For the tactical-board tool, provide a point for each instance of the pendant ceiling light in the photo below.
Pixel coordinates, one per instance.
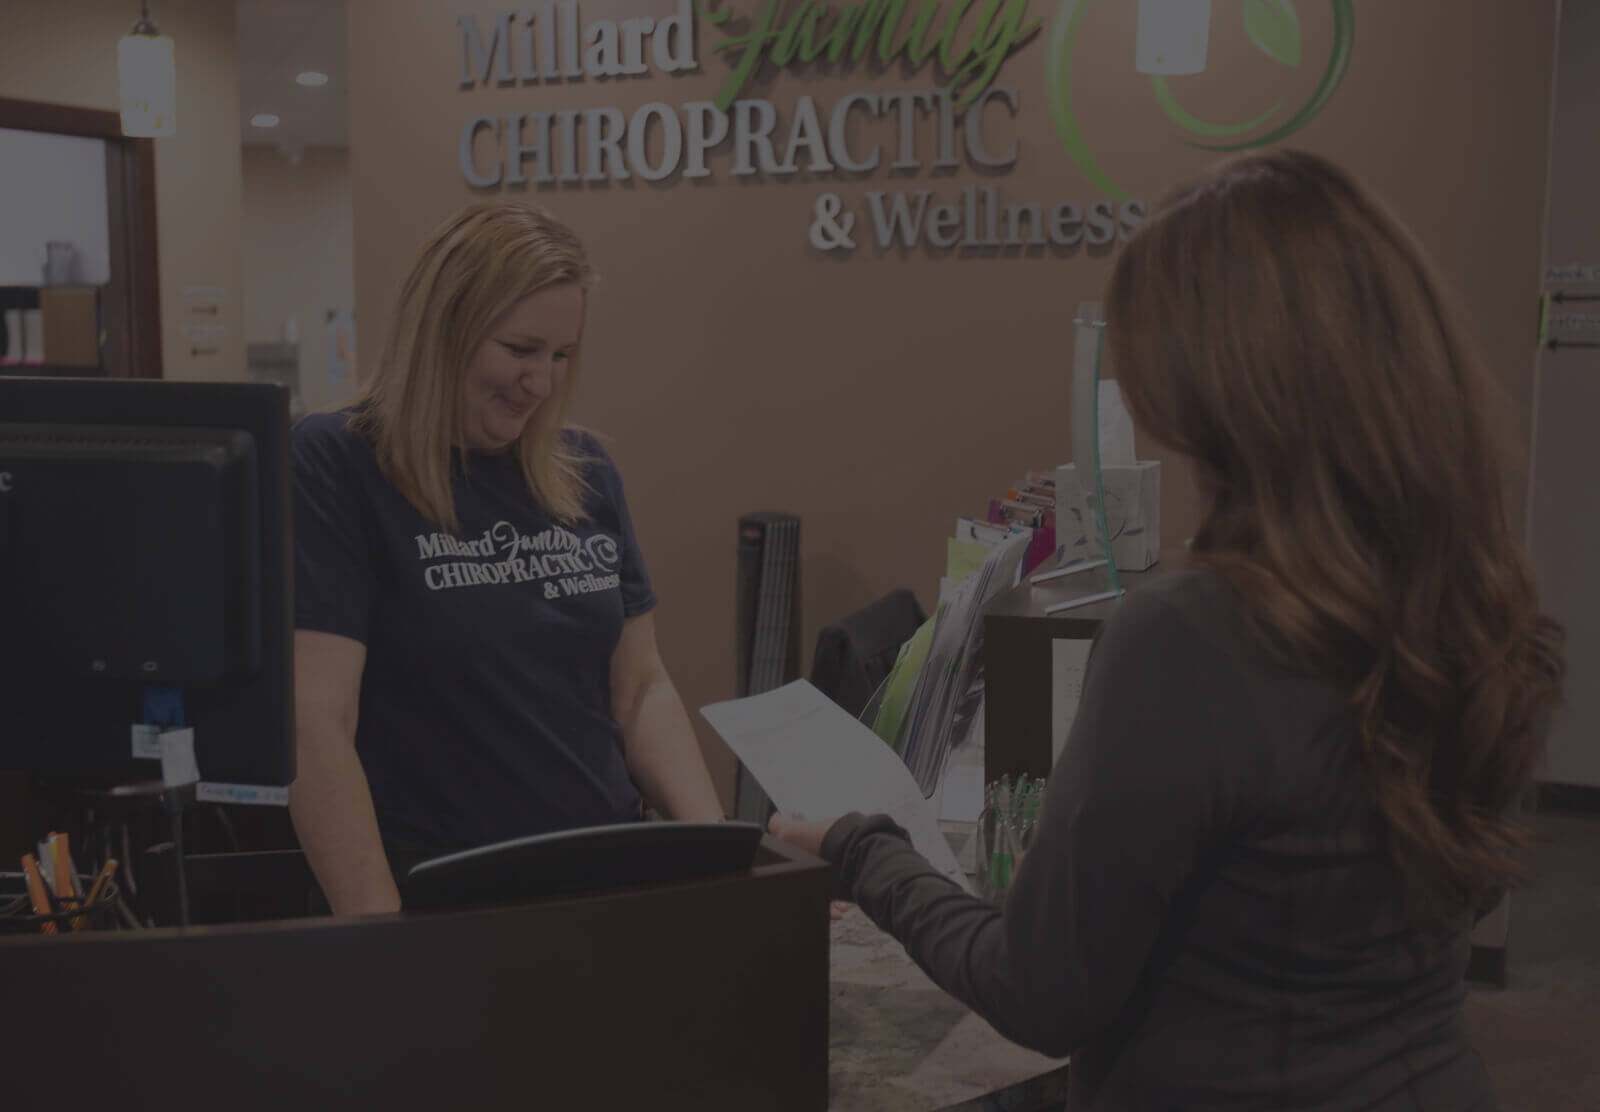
(148, 77)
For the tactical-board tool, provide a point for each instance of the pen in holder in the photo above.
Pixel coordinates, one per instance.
(96, 912)
(1006, 827)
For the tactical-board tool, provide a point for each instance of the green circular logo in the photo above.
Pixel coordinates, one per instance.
(1272, 25)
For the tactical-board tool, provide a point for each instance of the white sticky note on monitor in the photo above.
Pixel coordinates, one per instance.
(146, 742)
(813, 759)
(177, 757)
(1069, 661)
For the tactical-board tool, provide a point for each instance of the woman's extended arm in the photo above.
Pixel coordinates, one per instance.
(330, 802)
(659, 743)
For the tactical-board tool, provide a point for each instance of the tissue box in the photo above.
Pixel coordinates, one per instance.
(1133, 512)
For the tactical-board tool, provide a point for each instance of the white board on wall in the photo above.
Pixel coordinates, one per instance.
(55, 189)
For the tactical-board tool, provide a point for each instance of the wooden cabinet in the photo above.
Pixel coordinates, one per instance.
(1018, 662)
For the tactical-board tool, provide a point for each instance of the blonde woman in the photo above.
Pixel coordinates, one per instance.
(1291, 782)
(475, 658)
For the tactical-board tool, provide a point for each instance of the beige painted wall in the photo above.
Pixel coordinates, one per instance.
(1564, 529)
(883, 395)
(66, 53)
(295, 240)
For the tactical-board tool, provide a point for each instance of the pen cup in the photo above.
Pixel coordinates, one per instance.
(1007, 826)
(18, 917)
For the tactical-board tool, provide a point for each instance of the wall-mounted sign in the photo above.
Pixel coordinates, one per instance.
(203, 333)
(959, 122)
(1570, 329)
(1173, 40)
(1572, 273)
(203, 300)
(1566, 319)
(1576, 322)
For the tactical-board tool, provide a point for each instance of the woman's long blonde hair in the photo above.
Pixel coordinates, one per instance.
(1275, 325)
(474, 267)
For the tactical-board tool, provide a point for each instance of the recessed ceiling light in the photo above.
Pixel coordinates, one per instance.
(264, 119)
(311, 78)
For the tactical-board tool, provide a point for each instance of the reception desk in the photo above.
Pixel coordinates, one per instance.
(706, 995)
(734, 993)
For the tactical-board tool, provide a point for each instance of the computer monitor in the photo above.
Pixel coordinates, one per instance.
(145, 571)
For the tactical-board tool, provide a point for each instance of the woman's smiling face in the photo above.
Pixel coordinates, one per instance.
(520, 362)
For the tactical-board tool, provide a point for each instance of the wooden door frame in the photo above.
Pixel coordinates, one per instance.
(132, 305)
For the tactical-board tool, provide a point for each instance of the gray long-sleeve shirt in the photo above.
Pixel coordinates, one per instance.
(1208, 917)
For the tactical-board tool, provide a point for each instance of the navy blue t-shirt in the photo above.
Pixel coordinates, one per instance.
(486, 699)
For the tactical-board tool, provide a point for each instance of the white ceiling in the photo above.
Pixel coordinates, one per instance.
(277, 40)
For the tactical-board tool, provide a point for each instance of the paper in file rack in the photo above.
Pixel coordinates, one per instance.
(949, 688)
(813, 759)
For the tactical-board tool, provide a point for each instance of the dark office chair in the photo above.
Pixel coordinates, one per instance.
(855, 654)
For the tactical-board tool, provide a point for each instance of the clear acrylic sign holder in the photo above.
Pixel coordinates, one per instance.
(1097, 569)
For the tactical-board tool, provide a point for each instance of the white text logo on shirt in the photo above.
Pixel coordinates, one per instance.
(557, 558)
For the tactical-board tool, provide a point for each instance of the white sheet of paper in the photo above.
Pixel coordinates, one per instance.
(813, 759)
(146, 741)
(1069, 659)
(177, 757)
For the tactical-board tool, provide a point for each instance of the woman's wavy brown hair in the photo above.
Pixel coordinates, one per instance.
(1278, 327)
